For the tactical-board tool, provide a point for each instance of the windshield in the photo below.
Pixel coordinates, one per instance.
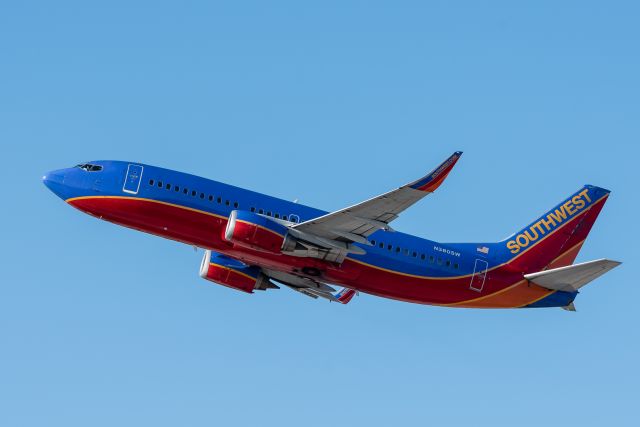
(89, 167)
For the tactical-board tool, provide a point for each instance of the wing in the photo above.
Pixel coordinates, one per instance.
(356, 223)
(572, 277)
(310, 287)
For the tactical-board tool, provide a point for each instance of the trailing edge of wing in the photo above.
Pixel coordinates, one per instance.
(573, 277)
(355, 223)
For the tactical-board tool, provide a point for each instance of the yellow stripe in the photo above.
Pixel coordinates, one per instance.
(483, 297)
(262, 227)
(537, 299)
(232, 270)
(492, 268)
(370, 265)
(73, 199)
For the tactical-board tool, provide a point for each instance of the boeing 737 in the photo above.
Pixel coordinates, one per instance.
(256, 242)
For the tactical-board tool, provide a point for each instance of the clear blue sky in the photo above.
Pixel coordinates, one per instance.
(328, 102)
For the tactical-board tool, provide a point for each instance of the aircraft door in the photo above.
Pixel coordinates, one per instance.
(132, 179)
(479, 275)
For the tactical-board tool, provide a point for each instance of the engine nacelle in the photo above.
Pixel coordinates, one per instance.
(232, 273)
(255, 231)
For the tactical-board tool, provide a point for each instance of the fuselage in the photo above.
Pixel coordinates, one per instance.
(194, 210)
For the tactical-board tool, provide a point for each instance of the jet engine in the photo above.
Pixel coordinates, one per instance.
(255, 231)
(232, 273)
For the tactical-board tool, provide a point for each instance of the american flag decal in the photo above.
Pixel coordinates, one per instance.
(483, 250)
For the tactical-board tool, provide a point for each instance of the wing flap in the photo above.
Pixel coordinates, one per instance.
(573, 277)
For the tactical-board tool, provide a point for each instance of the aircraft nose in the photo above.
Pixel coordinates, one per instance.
(54, 181)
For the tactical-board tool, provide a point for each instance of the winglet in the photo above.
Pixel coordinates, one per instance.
(345, 295)
(436, 177)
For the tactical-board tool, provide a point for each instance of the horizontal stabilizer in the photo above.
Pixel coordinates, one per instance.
(573, 277)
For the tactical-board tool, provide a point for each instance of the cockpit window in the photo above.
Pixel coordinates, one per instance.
(89, 167)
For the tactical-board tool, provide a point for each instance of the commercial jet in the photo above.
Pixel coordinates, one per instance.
(256, 242)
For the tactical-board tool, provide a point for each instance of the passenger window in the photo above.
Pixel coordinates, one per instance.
(389, 247)
(277, 216)
(168, 186)
(151, 182)
(415, 254)
(193, 193)
(253, 209)
(159, 184)
(431, 259)
(210, 198)
(422, 257)
(226, 202)
(381, 245)
(202, 195)
(176, 188)
(448, 263)
(397, 249)
(235, 205)
(269, 213)
(439, 261)
(373, 242)
(185, 191)
(219, 200)
(406, 252)
(456, 266)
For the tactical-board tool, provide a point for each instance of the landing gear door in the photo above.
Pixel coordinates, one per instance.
(132, 179)
(479, 275)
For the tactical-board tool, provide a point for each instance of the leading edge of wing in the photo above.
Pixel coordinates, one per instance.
(436, 177)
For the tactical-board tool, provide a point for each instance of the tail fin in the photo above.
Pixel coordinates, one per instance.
(554, 239)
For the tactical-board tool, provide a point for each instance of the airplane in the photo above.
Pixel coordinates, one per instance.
(253, 241)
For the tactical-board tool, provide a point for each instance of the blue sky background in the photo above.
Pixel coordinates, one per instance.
(329, 102)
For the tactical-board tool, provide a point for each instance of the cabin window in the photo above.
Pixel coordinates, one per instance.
(235, 205)
(397, 249)
(381, 245)
(373, 242)
(210, 198)
(415, 254)
(277, 216)
(406, 252)
(253, 209)
(219, 200)
(456, 266)
(389, 247)
(448, 263)
(159, 184)
(260, 211)
(176, 188)
(439, 261)
(226, 202)
(193, 193)
(431, 259)
(202, 195)
(185, 191)
(167, 187)
(151, 182)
